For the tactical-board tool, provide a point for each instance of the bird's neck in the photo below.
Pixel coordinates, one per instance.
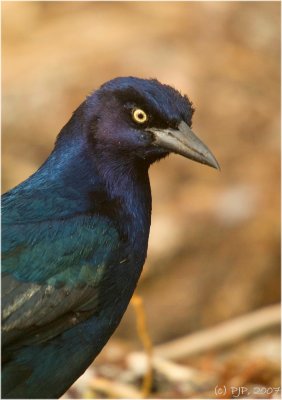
(75, 168)
(126, 180)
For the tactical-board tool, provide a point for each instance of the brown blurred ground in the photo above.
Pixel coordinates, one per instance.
(214, 247)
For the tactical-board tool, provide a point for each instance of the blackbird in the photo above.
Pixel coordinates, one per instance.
(75, 233)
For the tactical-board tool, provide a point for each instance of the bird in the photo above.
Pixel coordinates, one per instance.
(75, 233)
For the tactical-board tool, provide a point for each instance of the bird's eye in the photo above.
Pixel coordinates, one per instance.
(139, 116)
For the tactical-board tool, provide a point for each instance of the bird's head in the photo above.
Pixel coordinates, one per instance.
(144, 119)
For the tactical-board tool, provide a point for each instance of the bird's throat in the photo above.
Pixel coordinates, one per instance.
(127, 182)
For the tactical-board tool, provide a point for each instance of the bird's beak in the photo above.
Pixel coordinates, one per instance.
(183, 141)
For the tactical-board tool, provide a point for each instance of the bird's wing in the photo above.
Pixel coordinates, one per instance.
(51, 274)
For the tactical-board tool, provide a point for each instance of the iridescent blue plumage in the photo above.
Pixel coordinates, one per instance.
(75, 233)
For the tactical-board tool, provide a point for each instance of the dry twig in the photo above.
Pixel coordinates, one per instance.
(224, 334)
(144, 336)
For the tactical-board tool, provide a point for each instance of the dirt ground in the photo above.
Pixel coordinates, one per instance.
(214, 251)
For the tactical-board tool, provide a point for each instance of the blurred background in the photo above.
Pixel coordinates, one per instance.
(214, 251)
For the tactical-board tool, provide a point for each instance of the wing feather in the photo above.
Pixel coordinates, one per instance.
(51, 274)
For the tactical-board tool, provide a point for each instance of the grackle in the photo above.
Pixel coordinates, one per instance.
(75, 233)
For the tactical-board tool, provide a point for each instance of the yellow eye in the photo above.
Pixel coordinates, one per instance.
(139, 116)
